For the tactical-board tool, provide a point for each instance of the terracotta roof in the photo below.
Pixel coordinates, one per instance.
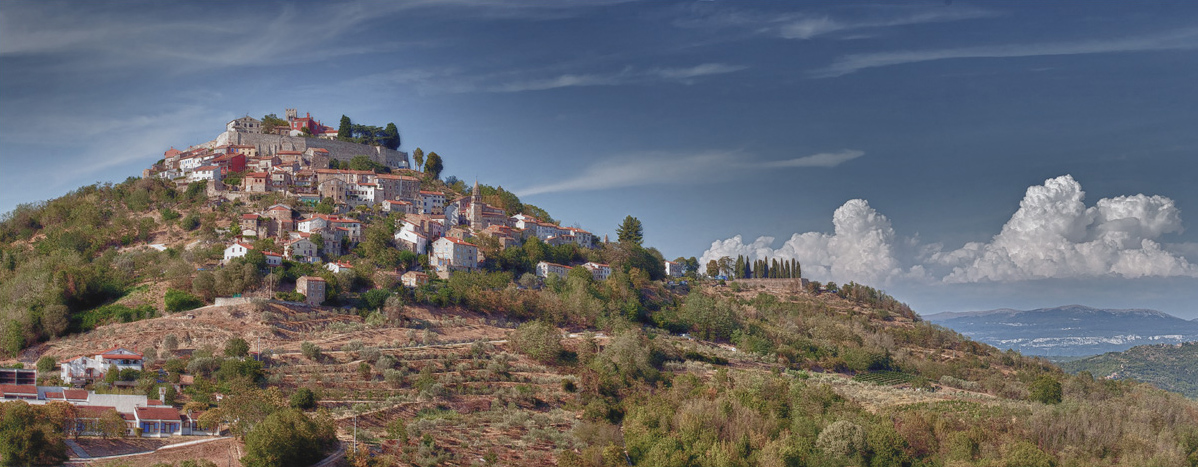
(249, 216)
(289, 152)
(320, 150)
(243, 245)
(76, 394)
(207, 167)
(555, 264)
(457, 241)
(54, 395)
(157, 413)
(153, 402)
(25, 389)
(256, 175)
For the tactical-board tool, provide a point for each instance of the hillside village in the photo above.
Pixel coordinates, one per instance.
(440, 224)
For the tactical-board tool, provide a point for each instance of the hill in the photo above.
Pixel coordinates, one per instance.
(1073, 330)
(1172, 367)
(493, 365)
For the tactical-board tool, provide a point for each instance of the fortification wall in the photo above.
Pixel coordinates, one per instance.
(340, 150)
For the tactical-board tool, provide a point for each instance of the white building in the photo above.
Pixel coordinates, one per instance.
(86, 368)
(337, 266)
(273, 259)
(544, 269)
(675, 269)
(599, 271)
(453, 254)
(301, 249)
(412, 241)
(237, 250)
(432, 202)
(207, 172)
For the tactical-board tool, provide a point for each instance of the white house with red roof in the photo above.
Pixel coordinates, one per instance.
(674, 269)
(158, 422)
(273, 259)
(237, 250)
(546, 269)
(82, 369)
(337, 266)
(450, 254)
(432, 202)
(599, 271)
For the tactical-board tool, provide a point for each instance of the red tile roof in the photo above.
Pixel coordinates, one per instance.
(24, 389)
(76, 394)
(120, 355)
(157, 413)
(457, 241)
(54, 395)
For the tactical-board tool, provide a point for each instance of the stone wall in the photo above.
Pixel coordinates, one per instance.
(340, 150)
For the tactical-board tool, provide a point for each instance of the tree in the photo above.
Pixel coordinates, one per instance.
(27, 436)
(630, 231)
(45, 365)
(287, 437)
(112, 425)
(418, 156)
(178, 300)
(237, 347)
(391, 140)
(310, 350)
(539, 340)
(345, 130)
(303, 399)
(713, 268)
(1045, 389)
(433, 165)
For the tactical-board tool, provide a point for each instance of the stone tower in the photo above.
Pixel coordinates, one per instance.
(292, 114)
(476, 208)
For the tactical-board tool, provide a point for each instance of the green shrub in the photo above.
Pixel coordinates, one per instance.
(539, 340)
(178, 300)
(303, 399)
(1045, 389)
(290, 296)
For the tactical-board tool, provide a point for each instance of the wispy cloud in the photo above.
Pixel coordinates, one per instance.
(808, 25)
(671, 168)
(455, 80)
(1172, 40)
(826, 159)
(184, 38)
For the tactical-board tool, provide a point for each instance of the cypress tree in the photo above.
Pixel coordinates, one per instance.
(345, 131)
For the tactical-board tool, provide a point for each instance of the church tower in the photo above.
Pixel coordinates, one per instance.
(476, 208)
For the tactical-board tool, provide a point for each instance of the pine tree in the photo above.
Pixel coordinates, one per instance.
(631, 231)
(740, 267)
(774, 268)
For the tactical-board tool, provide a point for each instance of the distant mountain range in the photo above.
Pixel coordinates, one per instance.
(1072, 330)
(1172, 367)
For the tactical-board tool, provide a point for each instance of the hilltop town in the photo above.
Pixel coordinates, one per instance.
(294, 161)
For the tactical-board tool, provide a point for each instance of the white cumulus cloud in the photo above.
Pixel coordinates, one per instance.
(1054, 235)
(862, 248)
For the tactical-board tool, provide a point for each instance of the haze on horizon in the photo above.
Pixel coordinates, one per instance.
(962, 156)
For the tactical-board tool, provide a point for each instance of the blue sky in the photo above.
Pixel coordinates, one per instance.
(999, 148)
